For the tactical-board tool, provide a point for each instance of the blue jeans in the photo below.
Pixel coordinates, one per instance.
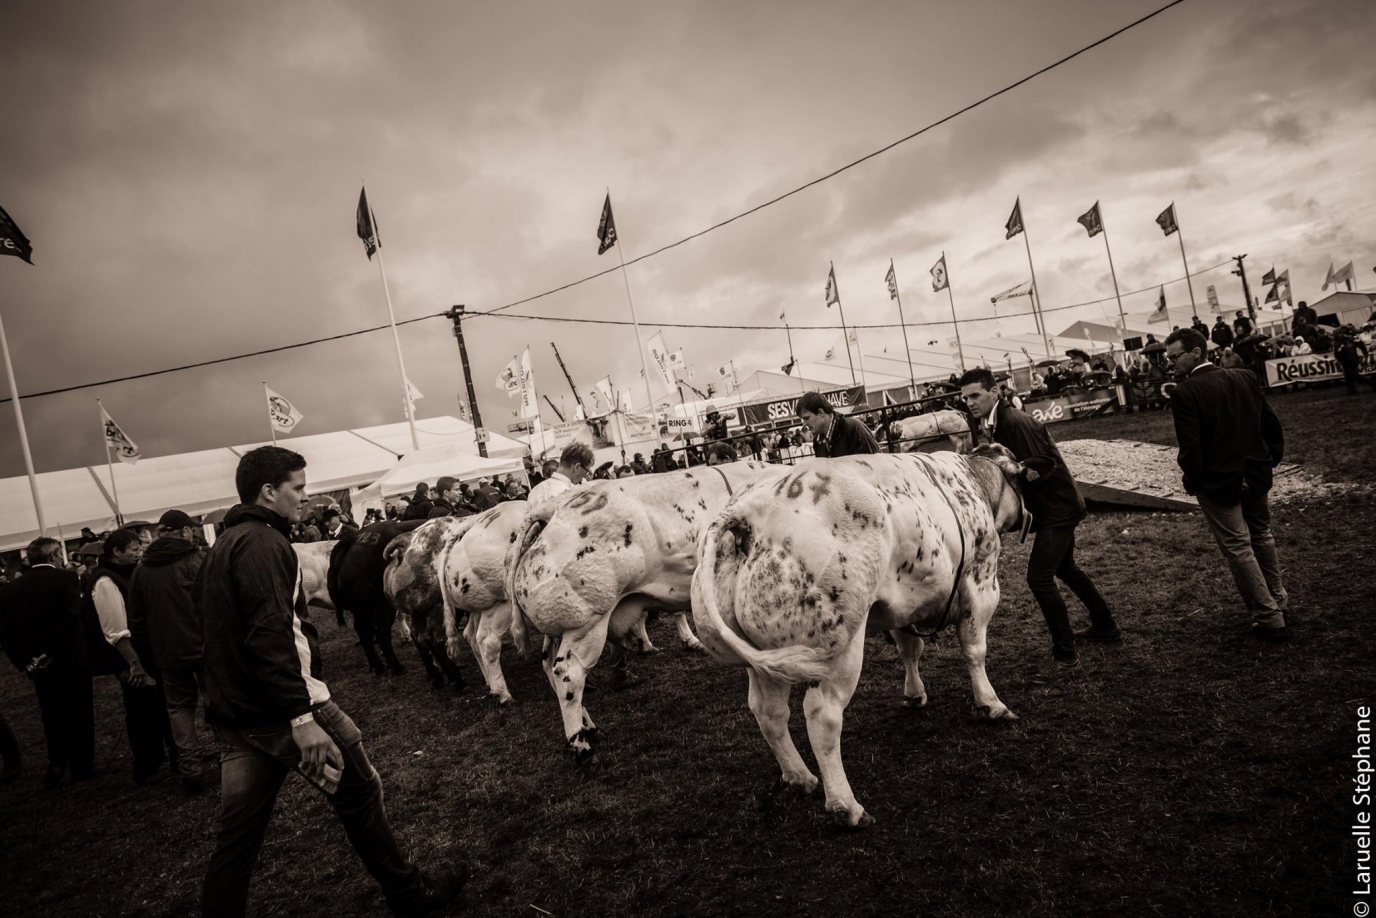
(253, 765)
(1243, 533)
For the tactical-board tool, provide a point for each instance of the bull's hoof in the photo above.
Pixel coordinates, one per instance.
(396, 670)
(1002, 714)
(593, 735)
(693, 647)
(648, 650)
(804, 787)
(911, 701)
(582, 751)
(853, 823)
(504, 699)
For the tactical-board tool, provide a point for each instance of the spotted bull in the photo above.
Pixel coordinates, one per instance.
(792, 575)
(411, 581)
(937, 430)
(586, 566)
(314, 560)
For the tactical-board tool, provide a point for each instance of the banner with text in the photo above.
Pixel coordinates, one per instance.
(1311, 368)
(1073, 405)
(767, 412)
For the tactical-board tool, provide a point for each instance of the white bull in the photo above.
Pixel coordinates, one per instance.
(587, 565)
(947, 429)
(792, 575)
(314, 559)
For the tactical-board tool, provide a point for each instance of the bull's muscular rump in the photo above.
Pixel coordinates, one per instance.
(792, 575)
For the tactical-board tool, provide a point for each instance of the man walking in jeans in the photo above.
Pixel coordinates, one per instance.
(1230, 440)
(269, 708)
(1056, 507)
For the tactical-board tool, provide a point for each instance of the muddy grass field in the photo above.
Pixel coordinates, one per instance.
(1192, 771)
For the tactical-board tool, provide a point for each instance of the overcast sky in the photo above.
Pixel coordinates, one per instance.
(188, 175)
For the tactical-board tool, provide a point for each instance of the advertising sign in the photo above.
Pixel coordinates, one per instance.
(1073, 405)
(520, 427)
(1311, 368)
(768, 412)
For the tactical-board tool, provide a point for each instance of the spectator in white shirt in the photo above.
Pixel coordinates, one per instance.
(575, 465)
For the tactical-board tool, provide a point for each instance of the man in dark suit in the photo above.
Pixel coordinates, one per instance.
(834, 435)
(1056, 507)
(40, 627)
(1230, 440)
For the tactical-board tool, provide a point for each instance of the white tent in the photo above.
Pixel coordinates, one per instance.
(202, 481)
(430, 464)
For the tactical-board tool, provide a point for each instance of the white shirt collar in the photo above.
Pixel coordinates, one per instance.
(562, 477)
(1199, 367)
(42, 564)
(993, 419)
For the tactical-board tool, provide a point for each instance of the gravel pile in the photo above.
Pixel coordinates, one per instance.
(1152, 469)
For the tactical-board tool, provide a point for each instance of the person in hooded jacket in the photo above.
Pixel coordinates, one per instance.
(165, 628)
(270, 709)
(420, 505)
(112, 652)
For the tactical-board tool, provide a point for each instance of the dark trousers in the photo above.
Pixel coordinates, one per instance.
(67, 707)
(253, 765)
(9, 746)
(150, 732)
(182, 688)
(1352, 376)
(1053, 556)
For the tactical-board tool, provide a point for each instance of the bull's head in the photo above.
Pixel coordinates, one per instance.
(1005, 497)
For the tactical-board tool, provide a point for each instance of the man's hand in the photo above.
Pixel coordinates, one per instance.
(316, 749)
(136, 676)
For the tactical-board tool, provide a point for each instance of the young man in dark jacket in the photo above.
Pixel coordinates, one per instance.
(270, 709)
(834, 435)
(1230, 440)
(41, 630)
(165, 628)
(1056, 508)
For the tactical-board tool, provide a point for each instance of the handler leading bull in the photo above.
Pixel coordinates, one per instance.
(792, 575)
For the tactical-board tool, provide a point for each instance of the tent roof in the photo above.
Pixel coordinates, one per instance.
(202, 481)
(433, 462)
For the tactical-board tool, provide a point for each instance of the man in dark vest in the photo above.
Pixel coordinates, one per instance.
(834, 435)
(113, 652)
(1056, 508)
(40, 629)
(270, 709)
(447, 504)
(1230, 440)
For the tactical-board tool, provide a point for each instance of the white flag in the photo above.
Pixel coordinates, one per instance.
(626, 405)
(413, 395)
(284, 417)
(692, 375)
(1212, 295)
(509, 380)
(1346, 273)
(603, 401)
(118, 444)
(530, 408)
(723, 371)
(677, 362)
(1159, 314)
(939, 279)
(1330, 278)
(661, 372)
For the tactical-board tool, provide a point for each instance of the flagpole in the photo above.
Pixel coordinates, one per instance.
(110, 464)
(271, 426)
(396, 339)
(23, 432)
(1036, 293)
(844, 333)
(535, 397)
(640, 344)
(960, 348)
(1122, 319)
(912, 374)
(1184, 261)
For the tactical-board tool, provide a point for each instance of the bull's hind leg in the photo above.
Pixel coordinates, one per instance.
(576, 654)
(484, 634)
(685, 633)
(641, 634)
(910, 649)
(825, 704)
(972, 631)
(769, 704)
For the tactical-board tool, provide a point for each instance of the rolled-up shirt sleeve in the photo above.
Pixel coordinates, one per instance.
(114, 621)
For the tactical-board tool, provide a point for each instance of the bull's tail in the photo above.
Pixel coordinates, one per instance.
(789, 664)
(530, 530)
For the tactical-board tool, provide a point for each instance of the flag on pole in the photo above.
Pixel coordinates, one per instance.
(283, 415)
(939, 279)
(1270, 276)
(1014, 224)
(1273, 296)
(603, 401)
(367, 225)
(117, 442)
(1346, 273)
(606, 227)
(854, 336)
(1166, 220)
(1330, 278)
(12, 240)
(413, 393)
(1092, 221)
(509, 380)
(833, 291)
(626, 405)
(677, 363)
(892, 280)
(530, 408)
(1212, 295)
(692, 375)
(1159, 314)
(1023, 289)
(1283, 280)
(663, 371)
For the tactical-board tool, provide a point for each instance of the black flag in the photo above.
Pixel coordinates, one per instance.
(12, 240)
(367, 225)
(606, 227)
(1270, 276)
(1092, 221)
(1014, 224)
(1166, 220)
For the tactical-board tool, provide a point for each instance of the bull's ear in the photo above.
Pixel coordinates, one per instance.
(1042, 465)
